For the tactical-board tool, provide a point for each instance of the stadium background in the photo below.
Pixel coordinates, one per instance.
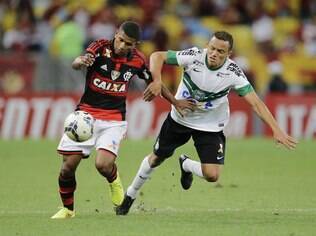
(275, 44)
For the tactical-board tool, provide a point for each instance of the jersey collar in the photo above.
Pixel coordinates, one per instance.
(213, 69)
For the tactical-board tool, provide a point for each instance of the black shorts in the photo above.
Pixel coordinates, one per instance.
(210, 146)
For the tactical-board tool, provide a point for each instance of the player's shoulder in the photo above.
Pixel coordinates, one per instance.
(138, 57)
(193, 51)
(98, 44)
(103, 42)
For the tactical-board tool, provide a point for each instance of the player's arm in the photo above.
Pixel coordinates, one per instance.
(156, 62)
(83, 61)
(263, 112)
(181, 105)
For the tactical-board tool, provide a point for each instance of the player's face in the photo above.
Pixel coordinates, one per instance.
(217, 52)
(123, 44)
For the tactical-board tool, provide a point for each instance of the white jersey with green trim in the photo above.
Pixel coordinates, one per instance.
(208, 88)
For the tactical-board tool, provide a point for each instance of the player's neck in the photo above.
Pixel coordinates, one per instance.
(214, 67)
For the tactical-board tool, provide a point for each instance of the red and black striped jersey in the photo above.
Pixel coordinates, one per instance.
(107, 80)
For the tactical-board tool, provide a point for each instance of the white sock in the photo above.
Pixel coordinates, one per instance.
(193, 167)
(142, 175)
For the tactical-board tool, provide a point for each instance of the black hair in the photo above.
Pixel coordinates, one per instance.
(223, 35)
(131, 29)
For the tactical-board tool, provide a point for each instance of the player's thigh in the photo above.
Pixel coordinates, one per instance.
(110, 137)
(210, 146)
(70, 164)
(172, 135)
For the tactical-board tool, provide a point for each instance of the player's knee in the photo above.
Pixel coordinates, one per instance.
(211, 177)
(103, 168)
(155, 161)
(67, 170)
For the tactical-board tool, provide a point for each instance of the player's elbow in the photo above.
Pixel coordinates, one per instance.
(158, 56)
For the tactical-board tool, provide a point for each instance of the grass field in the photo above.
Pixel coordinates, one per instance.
(263, 190)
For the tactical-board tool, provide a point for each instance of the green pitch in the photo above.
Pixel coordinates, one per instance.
(263, 190)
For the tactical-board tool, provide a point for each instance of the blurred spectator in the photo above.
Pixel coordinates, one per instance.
(160, 39)
(68, 42)
(277, 83)
(22, 35)
(263, 31)
(230, 15)
(309, 36)
(103, 25)
(307, 8)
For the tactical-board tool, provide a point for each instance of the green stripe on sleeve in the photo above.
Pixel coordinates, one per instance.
(172, 58)
(244, 90)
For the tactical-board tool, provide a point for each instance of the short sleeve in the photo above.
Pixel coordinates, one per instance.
(95, 47)
(183, 58)
(244, 90)
(240, 82)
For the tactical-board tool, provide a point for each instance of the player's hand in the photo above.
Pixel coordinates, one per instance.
(183, 105)
(87, 60)
(152, 90)
(284, 139)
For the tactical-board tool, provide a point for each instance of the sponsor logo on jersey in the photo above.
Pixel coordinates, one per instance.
(109, 86)
(198, 63)
(222, 75)
(115, 74)
(107, 53)
(234, 68)
(198, 95)
(189, 52)
(220, 152)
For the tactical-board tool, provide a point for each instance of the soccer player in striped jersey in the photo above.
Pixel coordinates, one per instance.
(110, 65)
(209, 75)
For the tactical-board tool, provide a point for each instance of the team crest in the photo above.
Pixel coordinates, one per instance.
(115, 74)
(127, 75)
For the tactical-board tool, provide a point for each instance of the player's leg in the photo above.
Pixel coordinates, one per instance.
(171, 136)
(67, 185)
(107, 145)
(72, 153)
(210, 147)
(105, 164)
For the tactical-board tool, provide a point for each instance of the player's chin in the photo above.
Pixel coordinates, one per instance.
(121, 53)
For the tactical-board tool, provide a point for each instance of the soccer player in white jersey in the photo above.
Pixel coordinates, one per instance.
(209, 74)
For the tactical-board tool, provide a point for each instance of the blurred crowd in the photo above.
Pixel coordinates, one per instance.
(263, 29)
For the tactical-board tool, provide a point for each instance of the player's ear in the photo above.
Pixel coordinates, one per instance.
(116, 33)
(230, 52)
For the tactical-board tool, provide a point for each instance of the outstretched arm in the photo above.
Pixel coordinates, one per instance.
(263, 112)
(83, 61)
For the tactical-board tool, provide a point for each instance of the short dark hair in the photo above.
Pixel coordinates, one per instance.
(223, 35)
(131, 29)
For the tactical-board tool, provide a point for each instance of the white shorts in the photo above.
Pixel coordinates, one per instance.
(107, 135)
